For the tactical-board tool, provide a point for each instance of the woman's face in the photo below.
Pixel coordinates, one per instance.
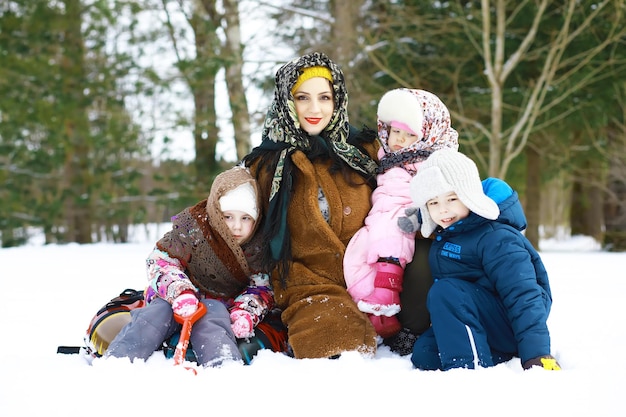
(314, 104)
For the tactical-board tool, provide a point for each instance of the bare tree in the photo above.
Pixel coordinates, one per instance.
(199, 72)
(559, 60)
(217, 45)
(507, 143)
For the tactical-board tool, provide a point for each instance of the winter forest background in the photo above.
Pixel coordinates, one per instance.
(117, 113)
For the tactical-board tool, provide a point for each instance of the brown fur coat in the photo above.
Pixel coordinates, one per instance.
(321, 317)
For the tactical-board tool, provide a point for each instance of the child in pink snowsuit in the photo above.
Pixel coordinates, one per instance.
(412, 124)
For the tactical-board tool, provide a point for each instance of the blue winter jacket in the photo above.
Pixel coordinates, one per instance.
(495, 255)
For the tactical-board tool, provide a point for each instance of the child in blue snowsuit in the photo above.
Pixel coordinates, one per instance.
(490, 298)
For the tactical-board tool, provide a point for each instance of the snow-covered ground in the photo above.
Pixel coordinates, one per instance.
(51, 292)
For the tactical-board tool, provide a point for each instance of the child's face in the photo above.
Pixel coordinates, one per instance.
(399, 139)
(446, 209)
(240, 224)
(314, 104)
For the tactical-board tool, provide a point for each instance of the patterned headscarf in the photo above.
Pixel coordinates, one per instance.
(282, 133)
(425, 114)
(282, 125)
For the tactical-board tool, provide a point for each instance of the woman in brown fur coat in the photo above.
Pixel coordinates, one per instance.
(316, 175)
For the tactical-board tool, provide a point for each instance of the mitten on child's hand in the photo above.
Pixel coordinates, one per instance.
(546, 362)
(384, 300)
(185, 304)
(242, 323)
(409, 223)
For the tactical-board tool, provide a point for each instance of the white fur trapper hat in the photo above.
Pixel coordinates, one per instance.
(445, 171)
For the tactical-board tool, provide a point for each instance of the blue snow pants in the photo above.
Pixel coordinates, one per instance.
(470, 328)
(211, 336)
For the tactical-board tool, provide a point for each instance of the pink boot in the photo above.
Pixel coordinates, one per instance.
(385, 326)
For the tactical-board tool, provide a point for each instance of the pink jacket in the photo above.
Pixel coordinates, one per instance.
(380, 236)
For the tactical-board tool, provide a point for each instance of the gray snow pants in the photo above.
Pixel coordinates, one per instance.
(211, 338)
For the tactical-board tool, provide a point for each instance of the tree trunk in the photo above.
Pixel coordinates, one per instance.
(533, 195)
(78, 212)
(233, 57)
(587, 216)
(615, 202)
(344, 33)
(204, 23)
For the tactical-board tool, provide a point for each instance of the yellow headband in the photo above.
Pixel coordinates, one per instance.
(312, 72)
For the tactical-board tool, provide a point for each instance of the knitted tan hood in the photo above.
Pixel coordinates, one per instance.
(223, 183)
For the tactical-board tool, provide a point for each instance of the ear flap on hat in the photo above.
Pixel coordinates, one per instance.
(428, 225)
(428, 183)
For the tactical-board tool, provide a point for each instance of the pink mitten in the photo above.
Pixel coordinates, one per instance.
(185, 304)
(385, 299)
(242, 324)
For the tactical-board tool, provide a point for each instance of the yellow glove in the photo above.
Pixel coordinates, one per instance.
(546, 362)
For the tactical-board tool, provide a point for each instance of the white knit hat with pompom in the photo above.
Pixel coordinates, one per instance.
(447, 171)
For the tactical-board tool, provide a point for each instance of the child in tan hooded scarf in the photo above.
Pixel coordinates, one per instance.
(209, 256)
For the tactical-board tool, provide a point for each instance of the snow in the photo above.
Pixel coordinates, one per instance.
(51, 293)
